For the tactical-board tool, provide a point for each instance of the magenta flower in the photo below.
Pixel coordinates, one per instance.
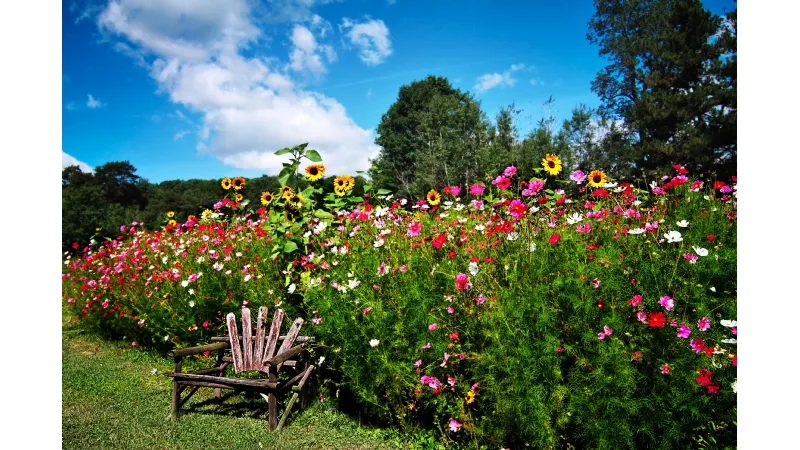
(462, 282)
(454, 425)
(501, 182)
(477, 204)
(480, 300)
(635, 300)
(510, 171)
(418, 363)
(608, 330)
(684, 331)
(414, 228)
(578, 177)
(665, 368)
(692, 258)
(601, 335)
(366, 310)
(476, 189)
(667, 302)
(596, 283)
(450, 310)
(641, 316)
(427, 346)
(433, 326)
(703, 324)
(536, 186)
(451, 380)
(697, 345)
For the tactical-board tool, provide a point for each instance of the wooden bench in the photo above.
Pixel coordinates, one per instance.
(247, 353)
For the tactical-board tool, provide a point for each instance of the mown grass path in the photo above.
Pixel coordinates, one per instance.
(110, 399)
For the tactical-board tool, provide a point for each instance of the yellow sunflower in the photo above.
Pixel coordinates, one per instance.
(226, 183)
(171, 214)
(552, 164)
(339, 192)
(434, 198)
(315, 171)
(267, 198)
(286, 192)
(172, 223)
(295, 200)
(597, 178)
(207, 213)
(238, 183)
(344, 183)
(239, 197)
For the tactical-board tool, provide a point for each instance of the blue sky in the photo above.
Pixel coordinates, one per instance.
(206, 88)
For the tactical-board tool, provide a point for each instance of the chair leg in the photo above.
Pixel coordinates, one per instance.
(287, 412)
(173, 414)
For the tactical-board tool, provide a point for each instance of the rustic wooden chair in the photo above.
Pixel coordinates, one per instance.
(247, 353)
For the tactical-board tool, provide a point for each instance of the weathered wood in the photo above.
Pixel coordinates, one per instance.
(287, 412)
(280, 338)
(179, 352)
(224, 380)
(278, 359)
(217, 370)
(247, 340)
(272, 408)
(222, 364)
(186, 398)
(236, 349)
(258, 352)
(303, 381)
(289, 363)
(272, 339)
(291, 335)
(173, 413)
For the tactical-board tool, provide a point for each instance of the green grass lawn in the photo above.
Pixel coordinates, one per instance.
(110, 399)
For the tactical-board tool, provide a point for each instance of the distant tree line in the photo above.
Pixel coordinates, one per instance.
(668, 96)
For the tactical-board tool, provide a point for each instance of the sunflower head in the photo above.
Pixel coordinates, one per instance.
(433, 197)
(206, 213)
(597, 178)
(339, 192)
(267, 198)
(290, 214)
(286, 192)
(239, 197)
(226, 183)
(172, 223)
(470, 397)
(552, 164)
(295, 201)
(238, 183)
(315, 171)
(171, 214)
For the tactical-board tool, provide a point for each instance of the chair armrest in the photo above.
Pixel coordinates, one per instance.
(180, 352)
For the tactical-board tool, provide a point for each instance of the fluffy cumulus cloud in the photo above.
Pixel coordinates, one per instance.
(492, 80)
(371, 37)
(69, 160)
(250, 105)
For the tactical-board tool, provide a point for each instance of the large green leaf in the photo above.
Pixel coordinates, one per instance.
(289, 247)
(283, 151)
(323, 214)
(384, 192)
(313, 155)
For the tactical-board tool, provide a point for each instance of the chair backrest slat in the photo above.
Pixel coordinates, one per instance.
(274, 332)
(291, 335)
(258, 352)
(247, 340)
(236, 349)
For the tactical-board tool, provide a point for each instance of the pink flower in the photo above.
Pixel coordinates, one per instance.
(703, 324)
(366, 310)
(691, 257)
(501, 182)
(477, 204)
(404, 268)
(667, 302)
(635, 300)
(578, 177)
(601, 335)
(559, 349)
(426, 346)
(462, 282)
(446, 357)
(641, 316)
(205, 324)
(510, 171)
(450, 310)
(583, 228)
(418, 363)
(454, 425)
(480, 300)
(451, 380)
(697, 345)
(734, 331)
(316, 320)
(476, 189)
(608, 330)
(536, 186)
(684, 331)
(133, 344)
(665, 368)
(517, 209)
(414, 228)
(596, 283)
(433, 326)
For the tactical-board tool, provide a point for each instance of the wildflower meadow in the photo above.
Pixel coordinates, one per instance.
(562, 310)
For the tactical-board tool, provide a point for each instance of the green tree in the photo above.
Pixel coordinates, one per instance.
(671, 79)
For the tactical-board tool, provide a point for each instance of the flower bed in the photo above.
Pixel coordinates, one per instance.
(506, 312)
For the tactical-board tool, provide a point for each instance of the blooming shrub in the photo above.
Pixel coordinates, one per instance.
(508, 316)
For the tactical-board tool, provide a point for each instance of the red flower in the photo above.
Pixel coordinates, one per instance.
(681, 170)
(710, 237)
(439, 241)
(454, 335)
(656, 320)
(719, 185)
(713, 388)
(554, 238)
(708, 351)
(228, 248)
(561, 200)
(704, 379)
(452, 254)
(600, 193)
(75, 245)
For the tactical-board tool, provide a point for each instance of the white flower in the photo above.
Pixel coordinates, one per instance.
(374, 342)
(733, 386)
(713, 289)
(379, 243)
(532, 247)
(513, 236)
(191, 291)
(473, 268)
(479, 227)
(191, 303)
(683, 223)
(166, 338)
(247, 278)
(637, 202)
(673, 236)
(636, 231)
(728, 341)
(700, 251)
(291, 288)
(321, 360)
(610, 185)
(185, 283)
(352, 284)
(574, 218)
(154, 371)
(727, 323)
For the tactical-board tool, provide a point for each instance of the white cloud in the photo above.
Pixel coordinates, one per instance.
(307, 53)
(492, 80)
(371, 37)
(180, 134)
(69, 160)
(249, 106)
(536, 82)
(92, 103)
